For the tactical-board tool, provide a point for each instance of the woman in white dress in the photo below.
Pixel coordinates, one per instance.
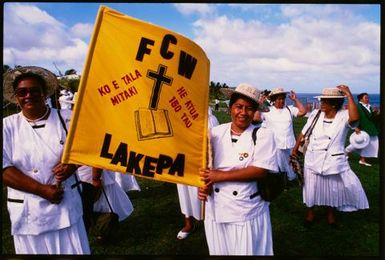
(279, 119)
(189, 202)
(328, 178)
(43, 202)
(118, 199)
(237, 220)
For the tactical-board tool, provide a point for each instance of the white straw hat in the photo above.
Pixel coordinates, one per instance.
(277, 91)
(10, 76)
(331, 93)
(248, 91)
(359, 141)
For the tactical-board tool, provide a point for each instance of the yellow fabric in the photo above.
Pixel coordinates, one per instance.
(142, 103)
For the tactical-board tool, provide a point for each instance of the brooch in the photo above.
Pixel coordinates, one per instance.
(243, 156)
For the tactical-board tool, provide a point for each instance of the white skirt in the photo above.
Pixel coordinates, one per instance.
(126, 181)
(283, 156)
(342, 191)
(188, 201)
(370, 151)
(68, 241)
(119, 200)
(253, 237)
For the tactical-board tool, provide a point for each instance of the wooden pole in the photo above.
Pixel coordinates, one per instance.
(209, 162)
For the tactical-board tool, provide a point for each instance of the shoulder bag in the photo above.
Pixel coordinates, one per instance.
(306, 137)
(273, 184)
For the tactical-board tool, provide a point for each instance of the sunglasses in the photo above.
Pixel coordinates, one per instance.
(33, 91)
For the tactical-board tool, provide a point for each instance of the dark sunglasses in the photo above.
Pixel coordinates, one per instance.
(33, 91)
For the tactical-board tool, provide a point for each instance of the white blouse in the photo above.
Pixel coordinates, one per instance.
(234, 201)
(280, 121)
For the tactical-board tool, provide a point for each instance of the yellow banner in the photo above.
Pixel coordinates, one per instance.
(142, 103)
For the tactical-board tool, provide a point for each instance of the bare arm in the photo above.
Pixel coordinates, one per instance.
(294, 152)
(352, 107)
(16, 179)
(302, 110)
(249, 173)
(257, 116)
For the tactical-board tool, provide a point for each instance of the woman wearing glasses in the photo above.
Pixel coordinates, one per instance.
(43, 201)
(328, 179)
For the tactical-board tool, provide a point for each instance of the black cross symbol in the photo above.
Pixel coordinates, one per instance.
(159, 78)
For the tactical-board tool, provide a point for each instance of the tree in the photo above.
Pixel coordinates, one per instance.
(70, 72)
(6, 68)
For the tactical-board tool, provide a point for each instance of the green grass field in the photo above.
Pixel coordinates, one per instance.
(152, 227)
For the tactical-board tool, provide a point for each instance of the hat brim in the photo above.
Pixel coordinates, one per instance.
(278, 93)
(318, 97)
(228, 92)
(359, 145)
(50, 79)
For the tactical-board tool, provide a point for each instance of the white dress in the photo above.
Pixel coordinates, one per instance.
(127, 181)
(371, 150)
(280, 121)
(190, 205)
(329, 180)
(237, 219)
(119, 200)
(38, 226)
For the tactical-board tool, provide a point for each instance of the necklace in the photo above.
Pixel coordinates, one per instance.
(33, 121)
(235, 132)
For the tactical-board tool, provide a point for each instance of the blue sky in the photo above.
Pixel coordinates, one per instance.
(296, 46)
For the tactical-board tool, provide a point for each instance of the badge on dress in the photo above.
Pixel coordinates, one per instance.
(243, 156)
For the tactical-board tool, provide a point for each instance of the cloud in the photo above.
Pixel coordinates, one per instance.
(33, 37)
(317, 46)
(82, 30)
(200, 9)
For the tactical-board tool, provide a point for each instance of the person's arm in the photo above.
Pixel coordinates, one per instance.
(63, 171)
(257, 117)
(16, 179)
(302, 110)
(97, 177)
(294, 151)
(250, 173)
(354, 116)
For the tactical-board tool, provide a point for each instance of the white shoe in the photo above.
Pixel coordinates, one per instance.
(364, 163)
(183, 235)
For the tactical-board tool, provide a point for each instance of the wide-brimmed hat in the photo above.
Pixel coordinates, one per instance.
(248, 91)
(277, 91)
(331, 93)
(359, 141)
(9, 77)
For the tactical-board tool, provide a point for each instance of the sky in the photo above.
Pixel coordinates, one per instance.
(300, 47)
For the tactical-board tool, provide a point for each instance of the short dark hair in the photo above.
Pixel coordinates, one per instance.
(235, 96)
(336, 102)
(274, 97)
(360, 96)
(30, 75)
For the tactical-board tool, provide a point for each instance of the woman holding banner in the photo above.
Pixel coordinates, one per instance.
(237, 220)
(44, 205)
(190, 205)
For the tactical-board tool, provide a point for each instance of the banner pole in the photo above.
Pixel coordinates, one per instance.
(209, 161)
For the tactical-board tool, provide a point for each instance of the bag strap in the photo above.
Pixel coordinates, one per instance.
(310, 129)
(254, 134)
(62, 121)
(254, 137)
(105, 195)
(65, 129)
